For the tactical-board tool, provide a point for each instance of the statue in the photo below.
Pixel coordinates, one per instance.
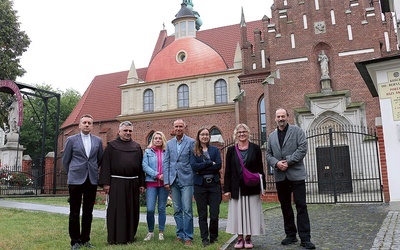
(2, 137)
(13, 117)
(323, 59)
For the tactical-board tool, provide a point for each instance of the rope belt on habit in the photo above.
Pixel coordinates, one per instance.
(124, 177)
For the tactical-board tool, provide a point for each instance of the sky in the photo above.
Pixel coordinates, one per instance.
(72, 41)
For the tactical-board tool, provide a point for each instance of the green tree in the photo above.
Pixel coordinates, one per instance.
(36, 108)
(13, 43)
(69, 99)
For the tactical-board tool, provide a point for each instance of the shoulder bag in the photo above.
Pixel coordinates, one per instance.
(249, 178)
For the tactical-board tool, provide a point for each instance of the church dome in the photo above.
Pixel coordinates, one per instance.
(184, 57)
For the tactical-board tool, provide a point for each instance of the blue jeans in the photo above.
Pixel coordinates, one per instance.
(183, 212)
(152, 193)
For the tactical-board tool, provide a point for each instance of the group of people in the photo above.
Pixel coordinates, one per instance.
(185, 168)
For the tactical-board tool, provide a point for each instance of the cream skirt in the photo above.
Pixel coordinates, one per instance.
(245, 216)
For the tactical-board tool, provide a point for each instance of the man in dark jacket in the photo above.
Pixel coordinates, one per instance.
(287, 147)
(81, 159)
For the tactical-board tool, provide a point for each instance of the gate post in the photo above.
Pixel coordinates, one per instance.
(382, 157)
(48, 178)
(332, 164)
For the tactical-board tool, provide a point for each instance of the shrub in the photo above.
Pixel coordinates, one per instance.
(10, 178)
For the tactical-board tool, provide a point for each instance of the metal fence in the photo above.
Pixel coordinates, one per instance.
(15, 181)
(31, 179)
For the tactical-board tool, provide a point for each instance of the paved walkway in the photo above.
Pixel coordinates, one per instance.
(341, 226)
(96, 213)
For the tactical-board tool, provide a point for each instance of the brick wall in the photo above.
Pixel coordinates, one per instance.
(300, 78)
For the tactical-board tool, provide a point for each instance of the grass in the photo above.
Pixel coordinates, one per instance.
(31, 230)
(22, 229)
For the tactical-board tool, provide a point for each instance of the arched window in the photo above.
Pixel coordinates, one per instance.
(215, 131)
(220, 90)
(216, 136)
(148, 100)
(263, 121)
(183, 96)
(149, 137)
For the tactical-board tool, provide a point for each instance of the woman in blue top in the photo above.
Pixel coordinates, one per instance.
(206, 163)
(152, 166)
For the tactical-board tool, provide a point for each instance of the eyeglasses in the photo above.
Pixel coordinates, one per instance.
(128, 130)
(241, 132)
(204, 134)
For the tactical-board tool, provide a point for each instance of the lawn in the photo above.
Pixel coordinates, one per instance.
(22, 229)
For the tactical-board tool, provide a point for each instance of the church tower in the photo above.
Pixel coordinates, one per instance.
(311, 47)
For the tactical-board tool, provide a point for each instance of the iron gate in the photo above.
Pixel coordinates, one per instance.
(343, 165)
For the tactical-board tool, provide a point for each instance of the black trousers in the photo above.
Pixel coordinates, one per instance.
(208, 194)
(87, 191)
(298, 188)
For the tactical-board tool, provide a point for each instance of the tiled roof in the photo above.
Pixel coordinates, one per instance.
(199, 59)
(225, 39)
(102, 99)
(222, 39)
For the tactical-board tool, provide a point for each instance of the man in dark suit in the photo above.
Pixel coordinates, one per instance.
(287, 147)
(178, 177)
(81, 159)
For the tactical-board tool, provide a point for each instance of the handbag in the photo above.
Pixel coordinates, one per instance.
(249, 178)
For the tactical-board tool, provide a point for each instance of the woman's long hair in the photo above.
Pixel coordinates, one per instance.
(198, 149)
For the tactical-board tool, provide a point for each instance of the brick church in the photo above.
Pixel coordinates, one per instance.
(301, 58)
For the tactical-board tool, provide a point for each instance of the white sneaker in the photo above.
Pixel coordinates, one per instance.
(160, 236)
(149, 236)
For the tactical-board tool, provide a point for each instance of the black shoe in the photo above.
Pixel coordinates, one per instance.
(87, 244)
(289, 240)
(76, 246)
(213, 241)
(307, 245)
(206, 243)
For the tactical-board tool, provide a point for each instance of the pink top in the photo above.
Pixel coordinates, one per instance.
(158, 183)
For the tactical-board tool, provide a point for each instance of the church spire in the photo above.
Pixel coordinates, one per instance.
(242, 20)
